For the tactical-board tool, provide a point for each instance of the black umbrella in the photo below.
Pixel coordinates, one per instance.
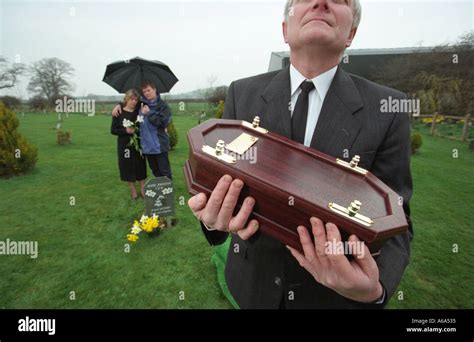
(129, 74)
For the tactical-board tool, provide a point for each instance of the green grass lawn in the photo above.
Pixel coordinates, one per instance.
(81, 247)
(442, 210)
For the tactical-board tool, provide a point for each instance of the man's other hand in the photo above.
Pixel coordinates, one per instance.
(217, 212)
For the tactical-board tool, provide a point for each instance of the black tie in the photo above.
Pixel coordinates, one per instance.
(300, 113)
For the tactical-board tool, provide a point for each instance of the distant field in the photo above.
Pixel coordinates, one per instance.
(186, 108)
(81, 247)
(179, 108)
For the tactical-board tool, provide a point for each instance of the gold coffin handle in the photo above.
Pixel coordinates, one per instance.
(219, 153)
(255, 125)
(353, 164)
(351, 213)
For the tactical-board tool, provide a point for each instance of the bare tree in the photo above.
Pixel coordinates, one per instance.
(466, 58)
(211, 81)
(218, 94)
(9, 73)
(50, 78)
(442, 78)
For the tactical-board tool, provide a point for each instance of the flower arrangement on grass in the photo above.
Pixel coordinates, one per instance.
(146, 224)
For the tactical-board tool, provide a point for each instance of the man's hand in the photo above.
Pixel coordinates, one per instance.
(217, 212)
(117, 111)
(130, 130)
(144, 109)
(357, 279)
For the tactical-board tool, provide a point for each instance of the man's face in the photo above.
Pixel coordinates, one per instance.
(320, 23)
(149, 93)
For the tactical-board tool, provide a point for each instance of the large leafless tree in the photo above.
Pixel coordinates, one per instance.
(50, 78)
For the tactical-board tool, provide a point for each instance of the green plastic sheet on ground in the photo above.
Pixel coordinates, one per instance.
(219, 259)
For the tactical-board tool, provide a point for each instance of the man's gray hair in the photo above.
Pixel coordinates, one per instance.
(356, 11)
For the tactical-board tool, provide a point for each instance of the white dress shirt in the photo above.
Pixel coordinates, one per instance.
(315, 97)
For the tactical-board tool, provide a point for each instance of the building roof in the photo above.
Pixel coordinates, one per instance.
(365, 52)
(363, 62)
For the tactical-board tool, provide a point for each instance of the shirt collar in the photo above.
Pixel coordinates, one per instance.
(321, 82)
(146, 101)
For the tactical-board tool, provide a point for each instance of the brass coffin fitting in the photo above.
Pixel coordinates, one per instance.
(255, 125)
(351, 212)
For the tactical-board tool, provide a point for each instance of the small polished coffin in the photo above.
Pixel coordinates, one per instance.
(291, 183)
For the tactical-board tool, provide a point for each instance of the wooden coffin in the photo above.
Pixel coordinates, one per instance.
(291, 183)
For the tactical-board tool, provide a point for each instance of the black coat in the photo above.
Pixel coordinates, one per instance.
(132, 165)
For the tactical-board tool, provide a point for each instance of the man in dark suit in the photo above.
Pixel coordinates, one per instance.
(315, 102)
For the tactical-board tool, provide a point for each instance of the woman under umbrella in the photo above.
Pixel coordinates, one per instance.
(132, 165)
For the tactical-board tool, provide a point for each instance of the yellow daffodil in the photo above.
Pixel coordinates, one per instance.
(146, 224)
(132, 237)
(154, 223)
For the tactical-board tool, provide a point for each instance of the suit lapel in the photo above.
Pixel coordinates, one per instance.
(338, 126)
(277, 96)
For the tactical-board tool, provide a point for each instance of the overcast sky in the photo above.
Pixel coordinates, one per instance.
(228, 39)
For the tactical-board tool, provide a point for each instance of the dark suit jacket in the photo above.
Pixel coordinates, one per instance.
(264, 271)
